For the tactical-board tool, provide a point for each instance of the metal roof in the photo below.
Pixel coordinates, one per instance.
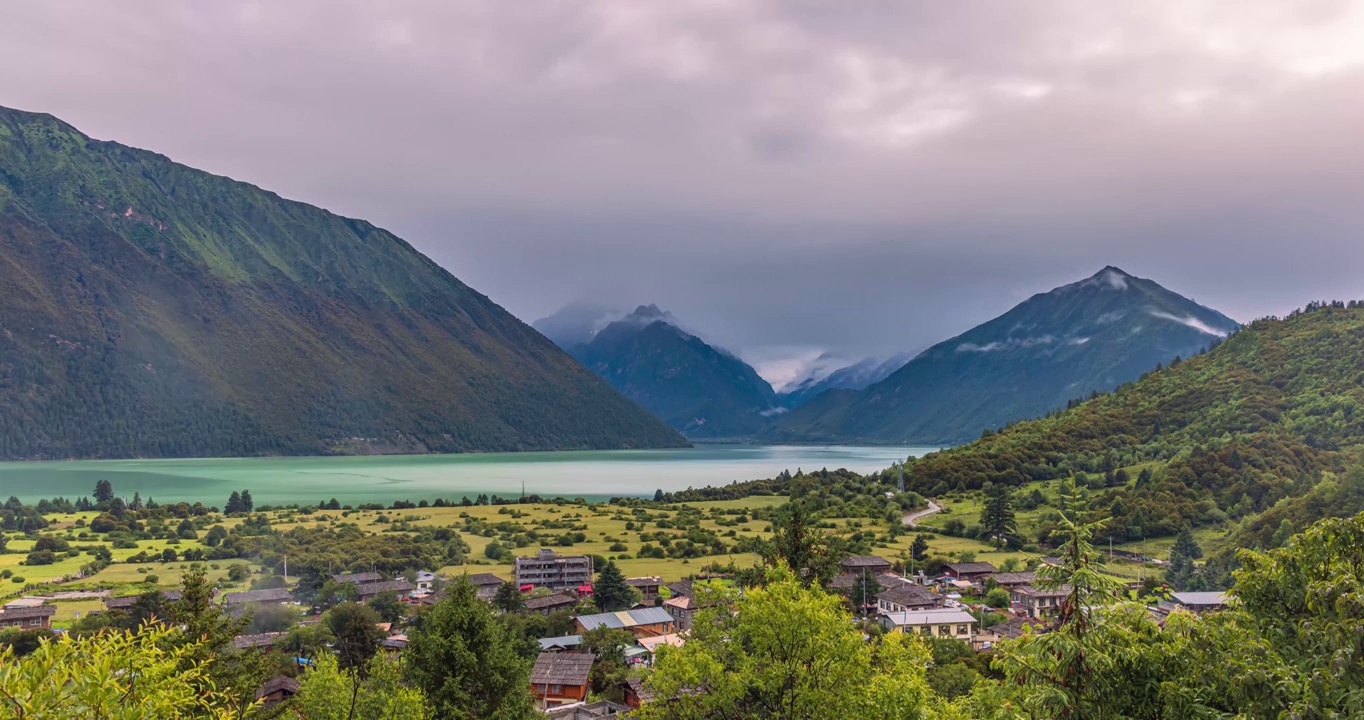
(1200, 598)
(626, 618)
(929, 617)
(563, 641)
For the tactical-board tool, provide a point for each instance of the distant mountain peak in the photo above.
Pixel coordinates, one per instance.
(1111, 277)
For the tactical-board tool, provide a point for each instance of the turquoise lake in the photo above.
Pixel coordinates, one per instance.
(353, 480)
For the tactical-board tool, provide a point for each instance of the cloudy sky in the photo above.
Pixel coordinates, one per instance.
(858, 175)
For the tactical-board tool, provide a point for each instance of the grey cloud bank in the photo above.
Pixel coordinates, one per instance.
(866, 177)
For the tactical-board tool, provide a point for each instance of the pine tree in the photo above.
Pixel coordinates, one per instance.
(464, 660)
(508, 598)
(611, 591)
(247, 503)
(104, 492)
(919, 550)
(234, 503)
(997, 517)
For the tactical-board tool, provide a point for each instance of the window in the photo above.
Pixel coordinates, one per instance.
(961, 629)
(556, 689)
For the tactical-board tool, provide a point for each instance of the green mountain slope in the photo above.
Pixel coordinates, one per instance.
(150, 309)
(1091, 335)
(704, 392)
(1255, 430)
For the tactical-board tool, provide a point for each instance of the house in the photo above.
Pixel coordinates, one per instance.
(647, 622)
(27, 618)
(1009, 580)
(649, 587)
(549, 570)
(368, 591)
(870, 564)
(969, 570)
(683, 609)
(393, 644)
(359, 578)
(1015, 627)
(276, 690)
(426, 581)
(550, 604)
(907, 598)
(636, 695)
(1194, 602)
(587, 711)
(651, 644)
(485, 583)
(1036, 602)
(273, 596)
(686, 586)
(952, 623)
(560, 678)
(564, 643)
(127, 601)
(261, 640)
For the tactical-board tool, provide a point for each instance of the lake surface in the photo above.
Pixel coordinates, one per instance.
(352, 480)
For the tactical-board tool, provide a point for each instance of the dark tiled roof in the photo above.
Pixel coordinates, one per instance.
(866, 561)
(21, 613)
(250, 596)
(1013, 627)
(400, 585)
(483, 579)
(550, 601)
(562, 668)
(971, 568)
(636, 686)
(276, 684)
(1014, 578)
(243, 642)
(359, 578)
(681, 587)
(846, 581)
(127, 601)
(643, 581)
(910, 596)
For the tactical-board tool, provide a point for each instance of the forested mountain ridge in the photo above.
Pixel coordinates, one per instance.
(1089, 335)
(151, 309)
(1263, 428)
(700, 390)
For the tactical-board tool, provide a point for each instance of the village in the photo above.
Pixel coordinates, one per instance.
(962, 604)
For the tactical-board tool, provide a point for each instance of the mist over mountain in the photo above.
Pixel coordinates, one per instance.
(1090, 335)
(827, 374)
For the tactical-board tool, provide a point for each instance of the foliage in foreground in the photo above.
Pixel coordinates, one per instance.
(115, 675)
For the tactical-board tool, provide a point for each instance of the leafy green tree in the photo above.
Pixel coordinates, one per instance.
(1181, 572)
(113, 675)
(334, 593)
(609, 671)
(234, 503)
(953, 680)
(997, 515)
(215, 536)
(357, 634)
(508, 598)
(386, 605)
(104, 492)
(326, 692)
(1282, 535)
(997, 597)
(798, 542)
(465, 661)
(611, 591)
(788, 651)
(206, 630)
(1060, 674)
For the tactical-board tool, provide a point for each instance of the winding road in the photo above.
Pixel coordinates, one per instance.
(913, 518)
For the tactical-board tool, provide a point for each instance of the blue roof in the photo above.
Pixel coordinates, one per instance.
(626, 618)
(561, 641)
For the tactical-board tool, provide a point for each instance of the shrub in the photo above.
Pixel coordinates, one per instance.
(41, 557)
(17, 579)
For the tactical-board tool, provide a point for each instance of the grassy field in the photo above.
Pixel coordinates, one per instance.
(601, 528)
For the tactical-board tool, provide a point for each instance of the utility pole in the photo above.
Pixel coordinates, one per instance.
(901, 470)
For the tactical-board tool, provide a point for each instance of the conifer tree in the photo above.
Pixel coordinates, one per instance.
(612, 593)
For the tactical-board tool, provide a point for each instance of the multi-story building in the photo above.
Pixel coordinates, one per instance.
(550, 570)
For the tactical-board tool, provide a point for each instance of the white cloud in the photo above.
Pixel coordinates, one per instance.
(1190, 321)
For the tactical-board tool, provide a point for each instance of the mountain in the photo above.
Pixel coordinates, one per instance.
(1088, 336)
(151, 309)
(854, 376)
(702, 391)
(1264, 429)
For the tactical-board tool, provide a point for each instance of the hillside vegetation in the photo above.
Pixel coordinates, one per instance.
(150, 309)
(1260, 429)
